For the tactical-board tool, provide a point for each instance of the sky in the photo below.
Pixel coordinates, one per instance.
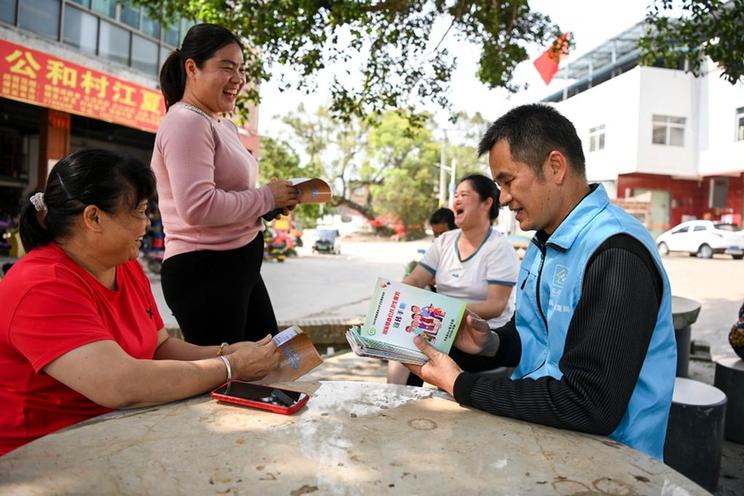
(591, 22)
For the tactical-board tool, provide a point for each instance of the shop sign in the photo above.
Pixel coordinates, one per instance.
(35, 77)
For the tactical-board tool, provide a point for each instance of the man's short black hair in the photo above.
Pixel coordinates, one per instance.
(443, 216)
(533, 131)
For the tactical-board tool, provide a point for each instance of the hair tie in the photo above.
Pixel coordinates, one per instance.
(37, 200)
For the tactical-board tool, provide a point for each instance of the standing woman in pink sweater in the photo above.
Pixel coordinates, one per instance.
(209, 202)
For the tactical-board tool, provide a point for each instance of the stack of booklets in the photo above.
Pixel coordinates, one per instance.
(397, 313)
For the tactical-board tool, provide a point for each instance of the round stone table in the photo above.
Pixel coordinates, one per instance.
(684, 313)
(351, 438)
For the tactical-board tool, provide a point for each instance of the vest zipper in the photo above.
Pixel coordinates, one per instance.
(539, 276)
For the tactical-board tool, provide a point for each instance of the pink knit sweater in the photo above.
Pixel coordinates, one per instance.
(206, 184)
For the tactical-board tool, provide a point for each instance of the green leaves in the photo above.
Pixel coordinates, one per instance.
(684, 32)
(395, 162)
(395, 46)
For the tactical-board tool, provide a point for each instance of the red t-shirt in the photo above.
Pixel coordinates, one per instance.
(49, 306)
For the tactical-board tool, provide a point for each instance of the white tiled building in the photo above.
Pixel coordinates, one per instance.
(664, 132)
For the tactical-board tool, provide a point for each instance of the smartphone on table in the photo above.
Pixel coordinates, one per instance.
(265, 397)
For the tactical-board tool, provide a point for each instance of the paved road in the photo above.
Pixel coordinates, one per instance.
(718, 284)
(338, 286)
(313, 286)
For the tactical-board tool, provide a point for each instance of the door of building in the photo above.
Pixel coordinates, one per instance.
(658, 221)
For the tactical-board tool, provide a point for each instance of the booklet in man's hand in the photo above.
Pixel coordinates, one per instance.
(298, 356)
(399, 312)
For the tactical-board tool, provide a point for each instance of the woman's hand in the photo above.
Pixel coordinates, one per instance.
(285, 194)
(251, 361)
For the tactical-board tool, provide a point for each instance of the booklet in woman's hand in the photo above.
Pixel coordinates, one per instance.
(397, 313)
(298, 356)
(311, 190)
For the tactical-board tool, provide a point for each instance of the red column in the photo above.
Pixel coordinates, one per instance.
(54, 141)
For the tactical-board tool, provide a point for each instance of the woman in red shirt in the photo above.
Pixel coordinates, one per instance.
(80, 333)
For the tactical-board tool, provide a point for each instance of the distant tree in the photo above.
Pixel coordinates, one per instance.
(395, 163)
(401, 171)
(685, 32)
(333, 148)
(408, 196)
(464, 135)
(277, 159)
(391, 53)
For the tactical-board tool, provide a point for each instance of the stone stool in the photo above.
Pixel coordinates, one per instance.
(684, 313)
(730, 380)
(695, 432)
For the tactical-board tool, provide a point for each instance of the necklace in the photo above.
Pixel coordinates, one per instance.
(199, 111)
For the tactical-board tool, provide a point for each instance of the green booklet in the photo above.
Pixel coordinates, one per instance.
(397, 313)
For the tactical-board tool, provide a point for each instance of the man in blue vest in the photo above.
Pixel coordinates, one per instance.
(592, 338)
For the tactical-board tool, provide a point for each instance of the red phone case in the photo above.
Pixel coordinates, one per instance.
(285, 410)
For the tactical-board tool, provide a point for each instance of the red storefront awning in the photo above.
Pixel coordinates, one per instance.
(35, 77)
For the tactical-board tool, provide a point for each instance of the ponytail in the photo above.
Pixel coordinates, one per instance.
(172, 79)
(33, 233)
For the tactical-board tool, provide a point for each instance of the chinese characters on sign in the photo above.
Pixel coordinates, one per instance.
(34, 77)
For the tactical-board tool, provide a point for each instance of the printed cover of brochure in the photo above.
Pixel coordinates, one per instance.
(398, 312)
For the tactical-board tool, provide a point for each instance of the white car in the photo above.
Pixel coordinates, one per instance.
(703, 238)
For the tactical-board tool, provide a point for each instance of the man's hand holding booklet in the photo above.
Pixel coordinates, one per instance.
(398, 313)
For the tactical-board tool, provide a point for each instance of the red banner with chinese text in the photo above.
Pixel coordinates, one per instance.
(35, 77)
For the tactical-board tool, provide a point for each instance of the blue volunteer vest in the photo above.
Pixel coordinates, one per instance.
(560, 274)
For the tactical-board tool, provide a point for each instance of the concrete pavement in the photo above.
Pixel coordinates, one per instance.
(323, 286)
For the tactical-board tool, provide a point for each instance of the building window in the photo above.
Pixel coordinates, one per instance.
(8, 11)
(668, 130)
(150, 27)
(113, 43)
(597, 138)
(740, 124)
(144, 55)
(40, 17)
(186, 24)
(171, 34)
(105, 7)
(117, 30)
(164, 53)
(130, 15)
(81, 30)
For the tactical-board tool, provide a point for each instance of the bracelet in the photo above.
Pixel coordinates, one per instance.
(221, 351)
(227, 366)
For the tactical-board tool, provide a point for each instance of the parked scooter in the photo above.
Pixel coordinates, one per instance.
(154, 261)
(10, 244)
(153, 244)
(278, 247)
(6, 231)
